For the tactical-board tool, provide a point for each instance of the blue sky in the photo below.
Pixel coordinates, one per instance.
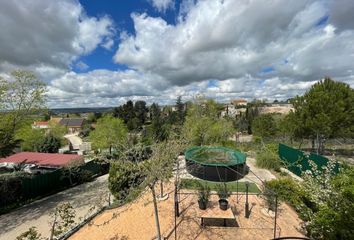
(103, 53)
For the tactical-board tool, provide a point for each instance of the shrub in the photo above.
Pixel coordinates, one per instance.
(10, 188)
(124, 180)
(268, 158)
(291, 192)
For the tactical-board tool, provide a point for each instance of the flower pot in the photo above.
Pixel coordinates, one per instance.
(223, 204)
(202, 204)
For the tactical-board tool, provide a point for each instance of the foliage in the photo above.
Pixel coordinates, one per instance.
(30, 234)
(48, 144)
(124, 180)
(110, 132)
(203, 193)
(223, 191)
(20, 96)
(203, 126)
(63, 219)
(264, 126)
(133, 115)
(267, 157)
(10, 188)
(30, 138)
(159, 127)
(325, 111)
(333, 217)
(180, 111)
(289, 191)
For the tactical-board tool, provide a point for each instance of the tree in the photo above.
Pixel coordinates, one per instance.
(160, 129)
(325, 111)
(264, 126)
(30, 138)
(140, 111)
(180, 111)
(203, 125)
(49, 144)
(109, 133)
(63, 218)
(20, 96)
(159, 168)
(127, 113)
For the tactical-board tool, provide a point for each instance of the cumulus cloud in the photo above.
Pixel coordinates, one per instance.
(162, 5)
(35, 33)
(220, 48)
(224, 40)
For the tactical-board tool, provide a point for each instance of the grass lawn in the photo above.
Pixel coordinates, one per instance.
(232, 186)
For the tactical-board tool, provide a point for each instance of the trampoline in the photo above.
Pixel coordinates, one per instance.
(217, 164)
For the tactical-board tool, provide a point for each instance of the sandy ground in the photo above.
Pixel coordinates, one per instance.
(37, 214)
(135, 221)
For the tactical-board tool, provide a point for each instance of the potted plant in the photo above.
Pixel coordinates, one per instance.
(203, 196)
(223, 193)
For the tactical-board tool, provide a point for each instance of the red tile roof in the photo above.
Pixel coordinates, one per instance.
(40, 123)
(42, 159)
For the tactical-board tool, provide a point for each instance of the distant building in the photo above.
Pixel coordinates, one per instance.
(73, 125)
(43, 160)
(239, 102)
(40, 125)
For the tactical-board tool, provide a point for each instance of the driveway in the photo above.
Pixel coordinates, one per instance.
(74, 139)
(37, 214)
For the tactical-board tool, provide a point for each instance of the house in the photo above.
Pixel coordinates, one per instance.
(73, 125)
(40, 125)
(43, 160)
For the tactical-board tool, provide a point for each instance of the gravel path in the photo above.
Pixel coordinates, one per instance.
(37, 214)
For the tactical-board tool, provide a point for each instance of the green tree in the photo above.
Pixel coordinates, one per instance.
(30, 138)
(264, 126)
(203, 125)
(48, 144)
(180, 111)
(20, 97)
(63, 218)
(325, 111)
(110, 133)
(140, 111)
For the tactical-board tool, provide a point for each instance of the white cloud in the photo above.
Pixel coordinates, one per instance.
(265, 49)
(35, 33)
(229, 40)
(162, 5)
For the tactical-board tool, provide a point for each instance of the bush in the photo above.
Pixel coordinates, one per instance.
(289, 191)
(10, 189)
(268, 158)
(124, 180)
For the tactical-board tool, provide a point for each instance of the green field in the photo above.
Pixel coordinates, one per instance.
(232, 186)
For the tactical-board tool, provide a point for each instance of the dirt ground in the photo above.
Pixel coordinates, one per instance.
(135, 221)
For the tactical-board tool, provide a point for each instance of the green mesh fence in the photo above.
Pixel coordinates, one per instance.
(215, 156)
(298, 162)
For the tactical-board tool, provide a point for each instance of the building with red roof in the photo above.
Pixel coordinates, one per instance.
(50, 160)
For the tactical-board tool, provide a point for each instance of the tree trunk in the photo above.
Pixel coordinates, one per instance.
(156, 212)
(110, 149)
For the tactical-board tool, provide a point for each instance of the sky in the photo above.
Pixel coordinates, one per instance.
(101, 53)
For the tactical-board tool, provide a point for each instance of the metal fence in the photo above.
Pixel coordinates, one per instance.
(43, 184)
(298, 161)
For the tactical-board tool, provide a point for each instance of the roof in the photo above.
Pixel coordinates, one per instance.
(42, 159)
(72, 122)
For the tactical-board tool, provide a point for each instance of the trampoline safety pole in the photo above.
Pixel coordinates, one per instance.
(247, 205)
(275, 216)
